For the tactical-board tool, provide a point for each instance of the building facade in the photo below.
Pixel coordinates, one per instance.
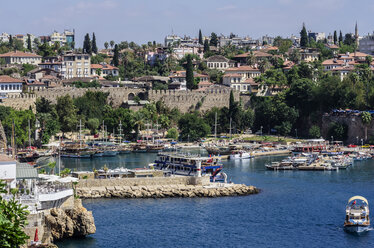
(76, 65)
(10, 85)
(18, 57)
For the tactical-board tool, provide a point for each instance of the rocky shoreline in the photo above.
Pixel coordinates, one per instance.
(167, 191)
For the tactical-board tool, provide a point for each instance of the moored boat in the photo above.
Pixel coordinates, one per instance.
(239, 154)
(357, 215)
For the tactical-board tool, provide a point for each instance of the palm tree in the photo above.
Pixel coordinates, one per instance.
(51, 166)
(366, 120)
(112, 44)
(105, 168)
(138, 122)
(106, 45)
(264, 65)
(251, 59)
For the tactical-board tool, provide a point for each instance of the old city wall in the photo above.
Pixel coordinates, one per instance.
(117, 95)
(20, 101)
(186, 100)
(355, 126)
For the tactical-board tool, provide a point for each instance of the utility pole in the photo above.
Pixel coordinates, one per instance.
(230, 128)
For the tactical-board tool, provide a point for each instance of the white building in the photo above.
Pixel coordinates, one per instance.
(105, 70)
(180, 52)
(366, 44)
(8, 170)
(10, 85)
(4, 37)
(172, 39)
(76, 65)
(18, 57)
(219, 62)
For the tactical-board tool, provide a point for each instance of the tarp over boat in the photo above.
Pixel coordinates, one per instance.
(357, 197)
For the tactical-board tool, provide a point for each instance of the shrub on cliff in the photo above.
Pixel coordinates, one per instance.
(172, 134)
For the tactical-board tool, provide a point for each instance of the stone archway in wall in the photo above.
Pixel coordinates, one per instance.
(142, 95)
(131, 96)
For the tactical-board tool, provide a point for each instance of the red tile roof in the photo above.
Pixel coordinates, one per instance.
(19, 54)
(103, 67)
(7, 79)
(242, 68)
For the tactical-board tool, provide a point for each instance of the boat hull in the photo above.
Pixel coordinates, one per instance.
(356, 228)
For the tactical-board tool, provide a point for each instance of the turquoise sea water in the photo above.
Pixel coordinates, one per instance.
(294, 209)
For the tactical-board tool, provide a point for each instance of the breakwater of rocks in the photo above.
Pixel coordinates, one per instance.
(165, 191)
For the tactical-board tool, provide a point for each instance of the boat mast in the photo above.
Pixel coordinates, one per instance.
(103, 130)
(120, 131)
(29, 135)
(59, 157)
(147, 125)
(80, 133)
(230, 128)
(13, 142)
(215, 127)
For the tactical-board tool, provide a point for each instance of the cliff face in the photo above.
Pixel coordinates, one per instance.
(74, 222)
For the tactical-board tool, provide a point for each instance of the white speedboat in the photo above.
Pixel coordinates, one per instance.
(357, 215)
(240, 155)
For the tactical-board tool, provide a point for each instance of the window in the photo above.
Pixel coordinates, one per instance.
(79, 57)
(2, 87)
(86, 57)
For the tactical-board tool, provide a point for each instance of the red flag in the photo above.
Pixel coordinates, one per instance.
(36, 239)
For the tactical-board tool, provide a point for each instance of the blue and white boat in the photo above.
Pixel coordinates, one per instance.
(190, 165)
(357, 215)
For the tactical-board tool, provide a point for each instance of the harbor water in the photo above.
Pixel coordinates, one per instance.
(294, 209)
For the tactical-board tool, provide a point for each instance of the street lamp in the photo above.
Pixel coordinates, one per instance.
(357, 140)
(362, 142)
(261, 130)
(332, 140)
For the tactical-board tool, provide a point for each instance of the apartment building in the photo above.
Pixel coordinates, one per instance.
(76, 65)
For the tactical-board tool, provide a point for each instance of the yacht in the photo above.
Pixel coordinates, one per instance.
(187, 165)
(357, 215)
(240, 154)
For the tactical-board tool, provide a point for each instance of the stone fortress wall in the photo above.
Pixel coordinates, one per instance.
(183, 100)
(23, 101)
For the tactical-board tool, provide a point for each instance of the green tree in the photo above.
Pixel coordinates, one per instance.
(314, 132)
(11, 43)
(111, 43)
(338, 131)
(13, 220)
(200, 37)
(116, 56)
(29, 46)
(213, 39)
(192, 127)
(52, 166)
(340, 37)
(93, 124)
(366, 120)
(189, 74)
(106, 45)
(67, 113)
(304, 37)
(335, 38)
(284, 129)
(206, 46)
(94, 46)
(172, 134)
(87, 48)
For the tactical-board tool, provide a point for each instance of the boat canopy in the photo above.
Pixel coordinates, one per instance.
(357, 197)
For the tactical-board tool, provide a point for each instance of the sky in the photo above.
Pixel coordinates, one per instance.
(147, 20)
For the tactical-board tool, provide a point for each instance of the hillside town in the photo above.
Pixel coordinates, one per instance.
(310, 95)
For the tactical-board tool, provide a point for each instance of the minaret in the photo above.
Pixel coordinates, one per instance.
(356, 35)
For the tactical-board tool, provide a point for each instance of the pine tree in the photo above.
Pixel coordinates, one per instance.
(116, 56)
(29, 47)
(200, 37)
(87, 44)
(213, 39)
(206, 46)
(94, 46)
(340, 37)
(303, 37)
(11, 41)
(335, 37)
(189, 73)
